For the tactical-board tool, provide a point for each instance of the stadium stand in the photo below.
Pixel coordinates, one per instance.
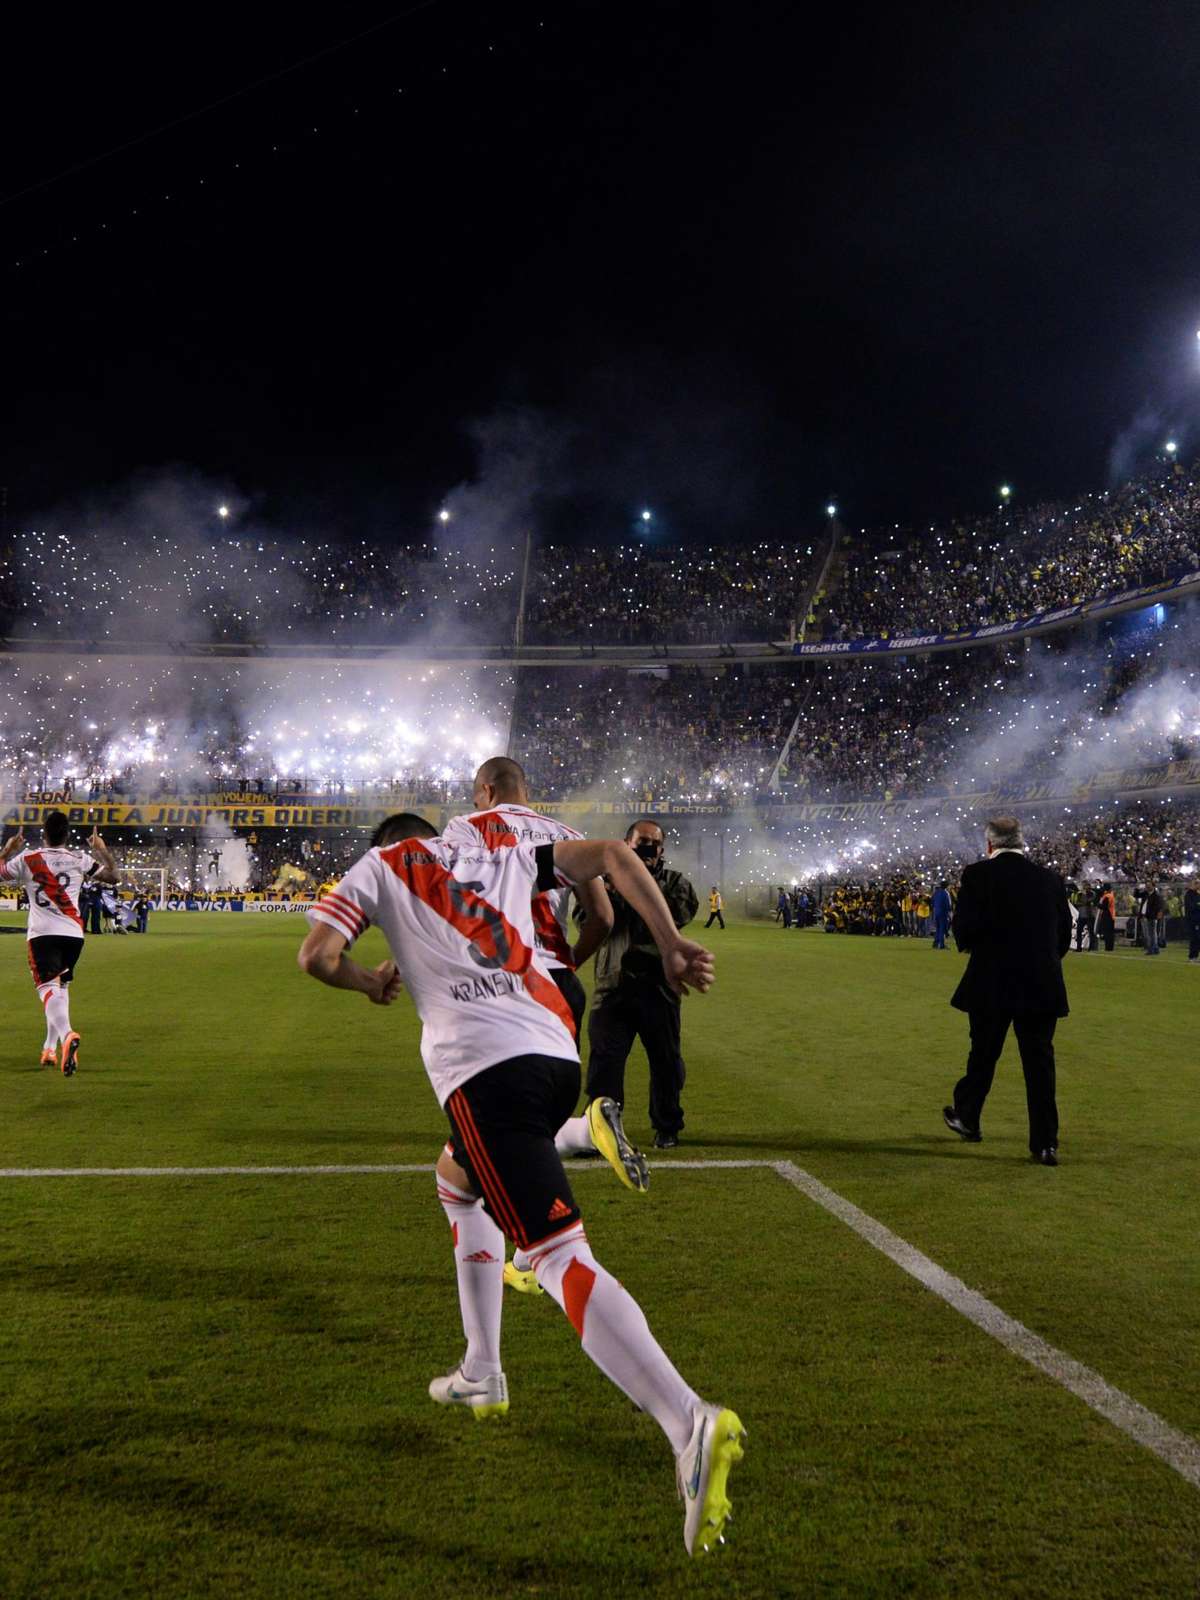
(1105, 708)
(1013, 564)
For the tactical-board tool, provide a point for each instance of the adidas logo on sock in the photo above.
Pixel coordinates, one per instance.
(558, 1210)
(481, 1257)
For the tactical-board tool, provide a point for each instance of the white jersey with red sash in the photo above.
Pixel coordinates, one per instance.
(459, 923)
(504, 826)
(52, 878)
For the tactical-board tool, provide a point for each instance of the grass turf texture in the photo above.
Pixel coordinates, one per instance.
(218, 1384)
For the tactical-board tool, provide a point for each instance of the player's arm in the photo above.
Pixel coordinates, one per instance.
(597, 919)
(9, 850)
(323, 956)
(684, 963)
(108, 866)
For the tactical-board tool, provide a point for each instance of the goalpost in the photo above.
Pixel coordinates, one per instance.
(150, 881)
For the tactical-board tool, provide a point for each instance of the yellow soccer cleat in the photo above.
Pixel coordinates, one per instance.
(608, 1135)
(703, 1472)
(522, 1282)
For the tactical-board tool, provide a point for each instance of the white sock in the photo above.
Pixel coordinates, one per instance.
(58, 1012)
(479, 1259)
(614, 1332)
(573, 1137)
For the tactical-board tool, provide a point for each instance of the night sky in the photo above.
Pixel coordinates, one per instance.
(721, 260)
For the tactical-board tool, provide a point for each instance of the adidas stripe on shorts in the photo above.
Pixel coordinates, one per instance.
(504, 1120)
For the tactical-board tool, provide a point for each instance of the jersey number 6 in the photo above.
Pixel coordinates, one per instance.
(479, 910)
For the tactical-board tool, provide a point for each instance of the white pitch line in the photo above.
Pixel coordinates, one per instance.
(317, 1172)
(1135, 955)
(1145, 1427)
(200, 1172)
(1148, 1429)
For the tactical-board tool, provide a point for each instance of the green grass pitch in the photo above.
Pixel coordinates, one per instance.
(215, 1386)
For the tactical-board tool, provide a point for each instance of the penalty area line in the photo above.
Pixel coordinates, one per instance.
(203, 1172)
(1180, 1452)
(331, 1171)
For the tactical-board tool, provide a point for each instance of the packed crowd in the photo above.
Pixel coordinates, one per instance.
(888, 728)
(251, 591)
(685, 733)
(229, 590)
(636, 594)
(1001, 716)
(1138, 842)
(1015, 563)
(898, 908)
(989, 719)
(151, 581)
(1127, 842)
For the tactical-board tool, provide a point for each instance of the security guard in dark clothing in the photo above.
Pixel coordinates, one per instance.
(632, 1001)
(1191, 912)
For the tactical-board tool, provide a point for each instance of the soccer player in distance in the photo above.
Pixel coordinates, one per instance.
(504, 819)
(52, 878)
(498, 1044)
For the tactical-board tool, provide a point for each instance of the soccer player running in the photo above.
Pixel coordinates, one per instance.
(52, 878)
(498, 1043)
(504, 819)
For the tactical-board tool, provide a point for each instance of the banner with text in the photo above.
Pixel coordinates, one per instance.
(180, 813)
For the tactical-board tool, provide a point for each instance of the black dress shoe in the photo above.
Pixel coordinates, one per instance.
(665, 1141)
(956, 1125)
(1045, 1158)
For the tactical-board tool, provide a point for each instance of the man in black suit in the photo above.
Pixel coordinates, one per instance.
(1012, 917)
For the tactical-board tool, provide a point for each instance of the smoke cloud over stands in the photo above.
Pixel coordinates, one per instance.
(164, 569)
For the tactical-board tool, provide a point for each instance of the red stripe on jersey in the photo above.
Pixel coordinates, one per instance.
(489, 930)
(494, 830)
(51, 888)
(347, 906)
(344, 924)
(549, 929)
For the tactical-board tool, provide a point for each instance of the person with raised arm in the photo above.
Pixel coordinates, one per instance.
(52, 877)
(498, 1043)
